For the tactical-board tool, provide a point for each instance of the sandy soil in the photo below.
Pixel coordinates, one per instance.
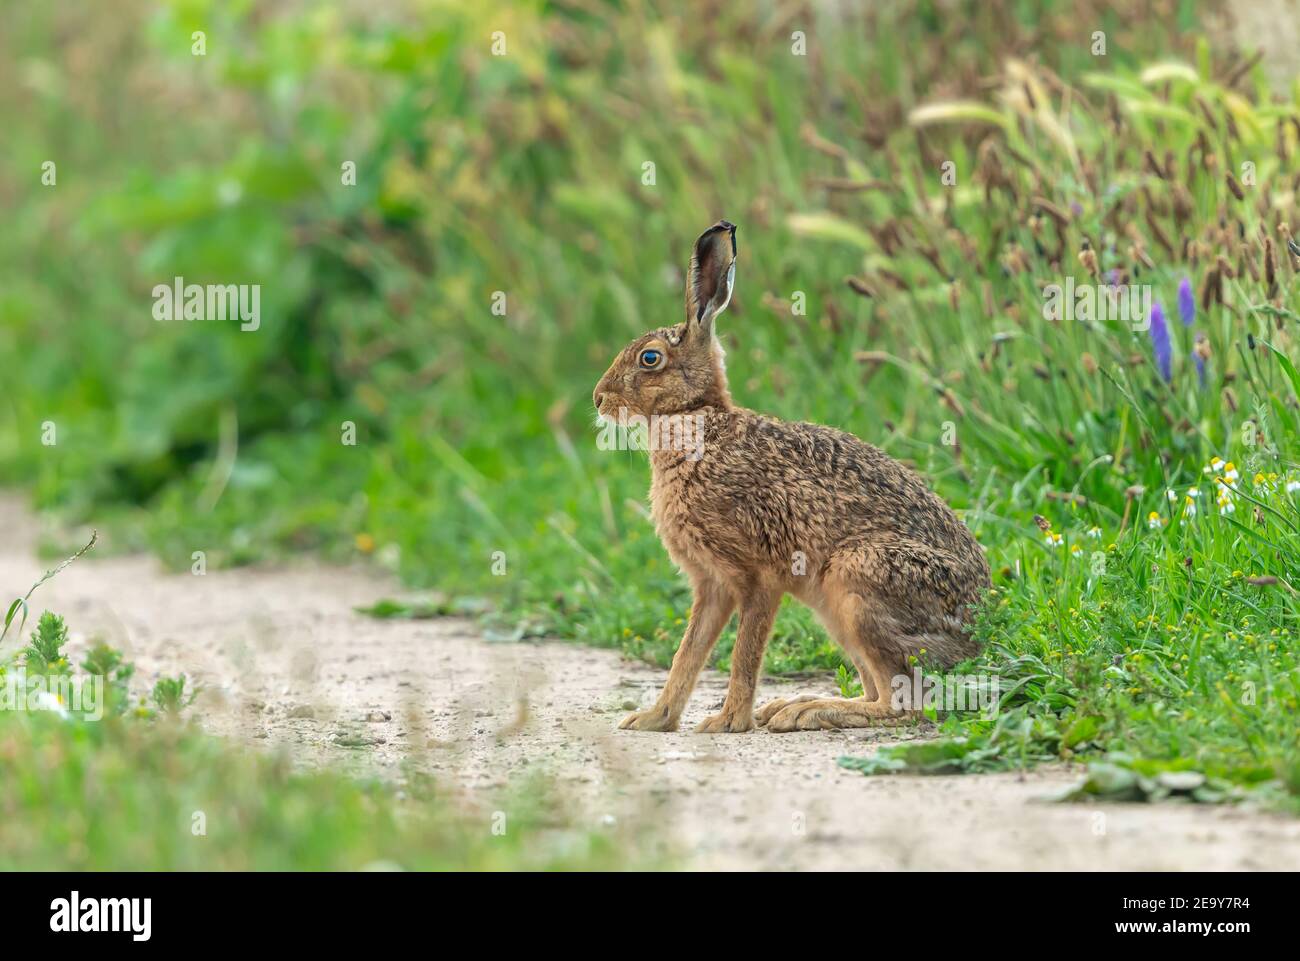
(287, 664)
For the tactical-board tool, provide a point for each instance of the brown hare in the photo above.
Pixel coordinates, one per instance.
(755, 508)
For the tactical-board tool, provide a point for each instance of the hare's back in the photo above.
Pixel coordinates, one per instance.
(831, 475)
(835, 460)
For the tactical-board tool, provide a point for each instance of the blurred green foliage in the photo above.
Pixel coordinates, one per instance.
(86, 785)
(134, 795)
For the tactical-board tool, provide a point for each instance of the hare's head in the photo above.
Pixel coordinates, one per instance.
(676, 369)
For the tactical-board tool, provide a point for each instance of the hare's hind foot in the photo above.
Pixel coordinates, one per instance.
(833, 713)
(774, 706)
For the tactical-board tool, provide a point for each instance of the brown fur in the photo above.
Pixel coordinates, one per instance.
(766, 508)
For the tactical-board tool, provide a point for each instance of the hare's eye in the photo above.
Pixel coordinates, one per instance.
(651, 359)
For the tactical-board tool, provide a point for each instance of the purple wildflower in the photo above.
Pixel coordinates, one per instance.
(1160, 345)
(1200, 368)
(1186, 302)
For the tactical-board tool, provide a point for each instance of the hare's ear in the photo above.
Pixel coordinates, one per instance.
(712, 273)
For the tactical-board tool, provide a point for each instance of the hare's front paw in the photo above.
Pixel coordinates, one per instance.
(651, 719)
(735, 723)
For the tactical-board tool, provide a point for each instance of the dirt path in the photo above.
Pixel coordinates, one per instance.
(286, 662)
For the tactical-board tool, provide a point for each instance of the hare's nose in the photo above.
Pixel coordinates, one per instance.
(599, 398)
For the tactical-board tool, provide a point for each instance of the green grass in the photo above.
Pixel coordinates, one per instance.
(103, 785)
(523, 174)
(123, 794)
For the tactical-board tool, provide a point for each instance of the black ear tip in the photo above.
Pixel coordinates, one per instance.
(710, 237)
(729, 227)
